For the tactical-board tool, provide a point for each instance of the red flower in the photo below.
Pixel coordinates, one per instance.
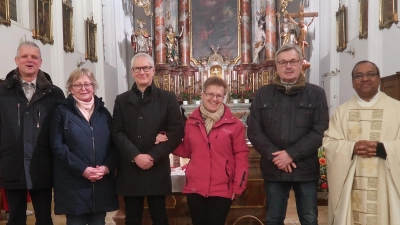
(324, 186)
(322, 161)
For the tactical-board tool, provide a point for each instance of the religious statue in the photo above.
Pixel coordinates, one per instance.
(171, 42)
(141, 40)
(288, 32)
(260, 37)
(301, 40)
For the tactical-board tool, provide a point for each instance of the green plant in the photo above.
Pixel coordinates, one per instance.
(185, 96)
(323, 179)
(234, 95)
(196, 97)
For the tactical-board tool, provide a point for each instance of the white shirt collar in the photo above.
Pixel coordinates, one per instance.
(371, 102)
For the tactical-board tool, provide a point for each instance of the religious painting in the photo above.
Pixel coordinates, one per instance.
(214, 23)
(91, 33)
(388, 13)
(341, 29)
(5, 13)
(67, 12)
(363, 9)
(43, 27)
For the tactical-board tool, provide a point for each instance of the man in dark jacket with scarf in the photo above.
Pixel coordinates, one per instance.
(286, 125)
(144, 168)
(27, 100)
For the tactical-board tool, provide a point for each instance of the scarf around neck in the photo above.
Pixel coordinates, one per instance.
(86, 108)
(290, 88)
(211, 118)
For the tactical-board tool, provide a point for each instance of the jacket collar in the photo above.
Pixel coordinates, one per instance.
(43, 80)
(296, 88)
(149, 93)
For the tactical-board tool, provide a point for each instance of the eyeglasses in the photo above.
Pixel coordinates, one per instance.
(144, 68)
(79, 86)
(292, 63)
(360, 76)
(219, 97)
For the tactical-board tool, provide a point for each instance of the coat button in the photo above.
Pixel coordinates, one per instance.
(139, 136)
(26, 112)
(140, 117)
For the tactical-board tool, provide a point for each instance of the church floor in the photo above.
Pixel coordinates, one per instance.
(291, 215)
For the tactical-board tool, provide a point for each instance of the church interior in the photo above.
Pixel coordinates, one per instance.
(191, 40)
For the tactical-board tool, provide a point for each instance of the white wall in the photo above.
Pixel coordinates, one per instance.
(381, 47)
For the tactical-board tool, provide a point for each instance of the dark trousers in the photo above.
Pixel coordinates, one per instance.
(87, 219)
(134, 209)
(41, 201)
(277, 193)
(208, 210)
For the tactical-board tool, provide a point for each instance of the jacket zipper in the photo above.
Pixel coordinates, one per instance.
(19, 115)
(241, 182)
(227, 174)
(38, 120)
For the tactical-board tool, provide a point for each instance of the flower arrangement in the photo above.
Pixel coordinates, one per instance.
(234, 95)
(323, 179)
(248, 93)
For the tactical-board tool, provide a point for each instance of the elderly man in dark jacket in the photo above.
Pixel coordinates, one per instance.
(27, 100)
(144, 169)
(286, 125)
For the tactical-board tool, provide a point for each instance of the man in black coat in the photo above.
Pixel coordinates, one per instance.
(27, 100)
(286, 125)
(144, 168)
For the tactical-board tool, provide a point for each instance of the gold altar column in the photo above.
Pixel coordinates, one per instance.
(159, 33)
(184, 49)
(270, 31)
(245, 31)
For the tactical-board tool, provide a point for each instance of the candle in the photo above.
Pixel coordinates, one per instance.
(190, 80)
(196, 76)
(34, 32)
(395, 17)
(242, 78)
(86, 55)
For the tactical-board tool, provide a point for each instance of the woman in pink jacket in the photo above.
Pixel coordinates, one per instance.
(215, 143)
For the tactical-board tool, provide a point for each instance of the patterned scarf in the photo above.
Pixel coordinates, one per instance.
(211, 118)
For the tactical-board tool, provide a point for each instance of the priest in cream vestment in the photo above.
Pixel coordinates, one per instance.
(362, 148)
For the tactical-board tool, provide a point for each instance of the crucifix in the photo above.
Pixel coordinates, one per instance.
(301, 40)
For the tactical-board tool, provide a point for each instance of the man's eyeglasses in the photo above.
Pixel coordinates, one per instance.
(79, 86)
(219, 97)
(292, 62)
(360, 76)
(144, 68)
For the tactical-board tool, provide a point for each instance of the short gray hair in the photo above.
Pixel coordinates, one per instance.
(78, 73)
(31, 45)
(287, 47)
(149, 58)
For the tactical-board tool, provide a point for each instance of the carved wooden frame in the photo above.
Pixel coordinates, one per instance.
(388, 8)
(341, 28)
(91, 42)
(363, 10)
(43, 22)
(68, 26)
(5, 13)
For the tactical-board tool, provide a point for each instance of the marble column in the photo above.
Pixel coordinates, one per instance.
(245, 31)
(270, 31)
(159, 33)
(184, 47)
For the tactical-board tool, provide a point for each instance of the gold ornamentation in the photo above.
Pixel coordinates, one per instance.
(372, 208)
(372, 182)
(372, 220)
(372, 195)
(375, 136)
(377, 114)
(354, 116)
(355, 131)
(376, 125)
(145, 4)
